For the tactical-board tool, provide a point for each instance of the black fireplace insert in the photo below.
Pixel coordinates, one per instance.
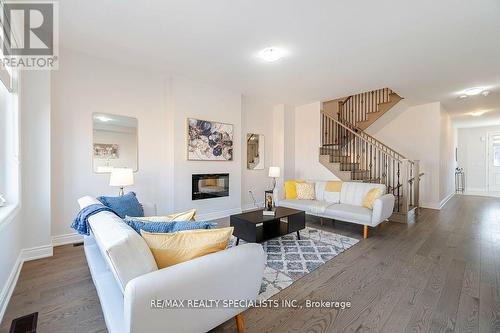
(207, 186)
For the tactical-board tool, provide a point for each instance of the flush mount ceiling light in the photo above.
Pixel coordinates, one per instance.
(477, 113)
(474, 92)
(271, 54)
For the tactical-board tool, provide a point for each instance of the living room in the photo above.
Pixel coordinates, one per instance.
(350, 143)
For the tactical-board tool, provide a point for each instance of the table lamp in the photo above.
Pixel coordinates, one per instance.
(121, 177)
(274, 172)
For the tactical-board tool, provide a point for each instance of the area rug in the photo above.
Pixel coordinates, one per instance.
(289, 259)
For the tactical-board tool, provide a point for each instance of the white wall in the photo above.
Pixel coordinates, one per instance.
(257, 118)
(26, 234)
(447, 157)
(35, 155)
(307, 142)
(194, 100)
(84, 85)
(283, 117)
(472, 155)
(416, 133)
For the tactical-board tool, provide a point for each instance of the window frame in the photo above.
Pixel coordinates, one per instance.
(12, 158)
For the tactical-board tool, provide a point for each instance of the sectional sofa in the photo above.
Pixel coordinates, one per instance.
(132, 289)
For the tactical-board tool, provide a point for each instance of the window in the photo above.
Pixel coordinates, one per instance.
(3, 128)
(495, 141)
(496, 155)
(9, 137)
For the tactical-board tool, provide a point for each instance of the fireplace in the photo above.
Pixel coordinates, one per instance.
(207, 186)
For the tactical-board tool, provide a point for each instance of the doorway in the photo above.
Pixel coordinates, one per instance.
(493, 162)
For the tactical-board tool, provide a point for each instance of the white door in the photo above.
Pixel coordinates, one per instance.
(494, 162)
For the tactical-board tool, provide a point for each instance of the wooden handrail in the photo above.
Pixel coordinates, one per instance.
(345, 101)
(381, 146)
(413, 178)
(356, 108)
(378, 142)
(369, 160)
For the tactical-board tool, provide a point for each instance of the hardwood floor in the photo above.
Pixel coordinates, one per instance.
(440, 274)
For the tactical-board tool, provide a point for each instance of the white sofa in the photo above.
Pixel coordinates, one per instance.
(127, 279)
(346, 206)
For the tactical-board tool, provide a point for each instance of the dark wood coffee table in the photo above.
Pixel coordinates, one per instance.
(255, 227)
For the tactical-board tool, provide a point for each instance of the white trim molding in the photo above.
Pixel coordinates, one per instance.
(446, 199)
(249, 207)
(437, 205)
(10, 284)
(64, 239)
(24, 255)
(218, 215)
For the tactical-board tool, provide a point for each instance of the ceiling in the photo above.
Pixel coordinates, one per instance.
(425, 50)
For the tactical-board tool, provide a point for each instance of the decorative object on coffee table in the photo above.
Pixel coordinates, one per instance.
(255, 227)
(268, 204)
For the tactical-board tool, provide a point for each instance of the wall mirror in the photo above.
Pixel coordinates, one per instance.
(255, 151)
(114, 142)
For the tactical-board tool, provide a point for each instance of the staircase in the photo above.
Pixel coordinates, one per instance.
(353, 155)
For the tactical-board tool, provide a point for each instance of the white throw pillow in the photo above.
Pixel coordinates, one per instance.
(305, 191)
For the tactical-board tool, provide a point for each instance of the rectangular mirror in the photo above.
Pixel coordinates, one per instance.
(114, 142)
(255, 151)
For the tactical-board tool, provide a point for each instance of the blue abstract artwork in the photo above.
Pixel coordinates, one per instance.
(209, 140)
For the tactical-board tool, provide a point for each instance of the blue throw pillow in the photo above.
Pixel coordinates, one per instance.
(168, 227)
(124, 205)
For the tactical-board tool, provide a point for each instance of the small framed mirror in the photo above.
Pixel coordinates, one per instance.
(114, 142)
(255, 151)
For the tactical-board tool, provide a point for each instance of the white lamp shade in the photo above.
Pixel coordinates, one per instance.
(121, 177)
(274, 172)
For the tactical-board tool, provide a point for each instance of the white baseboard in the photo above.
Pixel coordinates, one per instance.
(24, 255)
(476, 189)
(252, 206)
(437, 205)
(10, 284)
(445, 200)
(37, 252)
(218, 215)
(429, 205)
(64, 239)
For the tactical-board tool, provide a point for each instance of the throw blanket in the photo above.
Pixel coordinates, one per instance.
(81, 222)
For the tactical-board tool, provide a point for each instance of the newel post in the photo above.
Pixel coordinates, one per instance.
(416, 185)
(406, 185)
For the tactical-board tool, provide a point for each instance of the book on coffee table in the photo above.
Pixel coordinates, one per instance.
(269, 212)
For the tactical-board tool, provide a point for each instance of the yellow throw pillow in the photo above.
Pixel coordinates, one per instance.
(305, 191)
(173, 248)
(291, 189)
(333, 186)
(189, 215)
(371, 196)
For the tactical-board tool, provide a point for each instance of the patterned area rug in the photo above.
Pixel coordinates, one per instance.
(288, 258)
